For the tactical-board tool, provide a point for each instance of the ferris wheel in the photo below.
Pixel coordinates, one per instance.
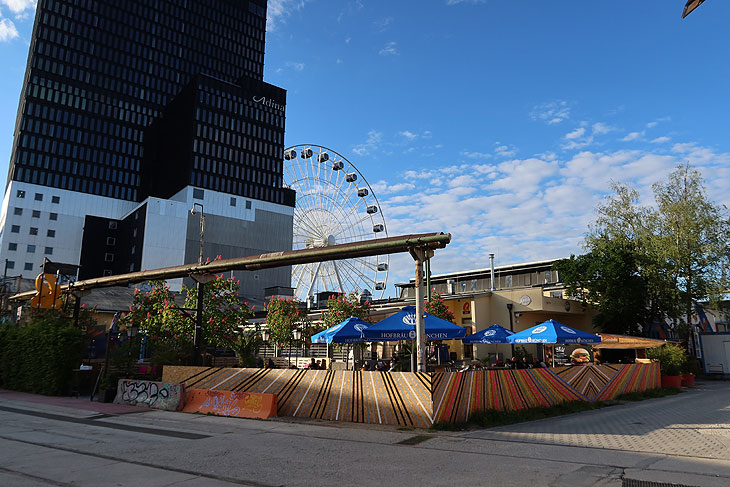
(334, 205)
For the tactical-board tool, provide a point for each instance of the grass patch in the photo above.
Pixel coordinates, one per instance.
(649, 394)
(491, 418)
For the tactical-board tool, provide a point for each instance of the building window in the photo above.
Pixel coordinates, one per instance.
(131, 267)
(33, 231)
(233, 201)
(109, 257)
(198, 194)
(112, 225)
(508, 281)
(55, 199)
(28, 266)
(36, 214)
(134, 249)
(111, 241)
(12, 246)
(53, 216)
(17, 211)
(473, 284)
(48, 250)
(11, 264)
(39, 196)
(107, 272)
(51, 233)
(31, 249)
(20, 194)
(548, 277)
(248, 204)
(15, 229)
(463, 286)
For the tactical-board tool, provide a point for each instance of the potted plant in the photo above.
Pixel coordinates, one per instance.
(108, 387)
(689, 371)
(671, 360)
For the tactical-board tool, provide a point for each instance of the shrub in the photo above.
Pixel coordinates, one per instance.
(39, 354)
(671, 358)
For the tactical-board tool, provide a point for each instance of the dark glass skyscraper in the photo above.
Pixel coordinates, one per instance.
(101, 71)
(133, 111)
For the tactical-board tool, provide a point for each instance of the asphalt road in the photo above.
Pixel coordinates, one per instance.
(682, 440)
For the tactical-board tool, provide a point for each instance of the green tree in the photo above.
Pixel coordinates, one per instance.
(282, 317)
(344, 306)
(694, 238)
(437, 307)
(647, 263)
(170, 328)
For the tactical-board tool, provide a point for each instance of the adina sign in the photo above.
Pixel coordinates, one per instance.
(268, 102)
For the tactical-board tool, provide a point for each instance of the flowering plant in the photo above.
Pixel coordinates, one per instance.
(437, 307)
(283, 315)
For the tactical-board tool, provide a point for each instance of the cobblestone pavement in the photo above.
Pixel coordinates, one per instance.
(695, 423)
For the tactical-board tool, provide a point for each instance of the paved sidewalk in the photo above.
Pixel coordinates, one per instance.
(9, 398)
(692, 423)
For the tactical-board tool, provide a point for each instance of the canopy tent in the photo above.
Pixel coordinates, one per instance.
(402, 326)
(493, 334)
(349, 331)
(552, 331)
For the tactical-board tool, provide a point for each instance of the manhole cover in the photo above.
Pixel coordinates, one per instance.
(646, 483)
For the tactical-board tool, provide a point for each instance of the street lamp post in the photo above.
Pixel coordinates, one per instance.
(297, 334)
(265, 338)
(199, 315)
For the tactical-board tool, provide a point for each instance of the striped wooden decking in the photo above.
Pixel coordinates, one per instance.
(419, 400)
(397, 398)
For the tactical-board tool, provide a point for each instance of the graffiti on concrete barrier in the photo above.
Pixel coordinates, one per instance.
(159, 395)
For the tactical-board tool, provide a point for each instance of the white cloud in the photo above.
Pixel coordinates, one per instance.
(600, 128)
(651, 125)
(276, 12)
(374, 138)
(457, 2)
(633, 136)
(295, 66)
(661, 140)
(552, 112)
(389, 49)
(383, 24)
(504, 150)
(8, 31)
(408, 134)
(575, 133)
(577, 139)
(19, 6)
(476, 155)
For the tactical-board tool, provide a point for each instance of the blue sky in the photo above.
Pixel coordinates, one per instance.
(502, 123)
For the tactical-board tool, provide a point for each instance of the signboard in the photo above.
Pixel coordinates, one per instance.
(466, 308)
(230, 403)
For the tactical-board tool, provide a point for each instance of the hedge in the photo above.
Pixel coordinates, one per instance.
(39, 354)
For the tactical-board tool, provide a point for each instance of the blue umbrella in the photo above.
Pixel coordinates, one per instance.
(493, 334)
(551, 331)
(349, 331)
(402, 326)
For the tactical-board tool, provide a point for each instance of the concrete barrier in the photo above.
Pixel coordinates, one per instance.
(151, 394)
(230, 403)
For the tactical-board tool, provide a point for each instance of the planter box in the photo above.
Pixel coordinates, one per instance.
(672, 381)
(688, 380)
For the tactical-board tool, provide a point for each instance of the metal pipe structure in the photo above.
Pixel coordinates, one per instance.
(491, 274)
(390, 245)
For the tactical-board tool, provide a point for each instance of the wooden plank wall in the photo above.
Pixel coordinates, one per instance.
(419, 400)
(397, 398)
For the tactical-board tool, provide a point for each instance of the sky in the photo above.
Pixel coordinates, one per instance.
(502, 123)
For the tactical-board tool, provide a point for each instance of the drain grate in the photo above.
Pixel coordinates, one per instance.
(414, 440)
(646, 483)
